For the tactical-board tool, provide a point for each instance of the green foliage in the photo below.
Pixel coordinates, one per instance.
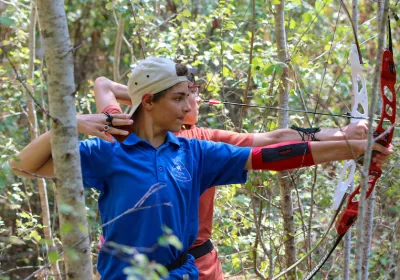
(213, 37)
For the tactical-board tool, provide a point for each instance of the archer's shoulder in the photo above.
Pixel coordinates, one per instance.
(97, 145)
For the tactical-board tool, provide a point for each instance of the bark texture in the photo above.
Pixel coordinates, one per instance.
(33, 128)
(367, 157)
(64, 140)
(369, 216)
(283, 177)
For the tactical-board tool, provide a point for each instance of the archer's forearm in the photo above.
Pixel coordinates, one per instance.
(288, 135)
(330, 134)
(109, 93)
(121, 93)
(336, 150)
(274, 137)
(290, 155)
(349, 132)
(35, 158)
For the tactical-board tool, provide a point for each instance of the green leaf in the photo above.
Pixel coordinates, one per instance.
(307, 17)
(167, 230)
(226, 72)
(162, 270)
(186, 13)
(35, 235)
(319, 4)
(237, 48)
(292, 24)
(163, 241)
(383, 261)
(66, 227)
(141, 259)
(278, 69)
(53, 256)
(174, 241)
(109, 6)
(269, 69)
(6, 21)
(25, 215)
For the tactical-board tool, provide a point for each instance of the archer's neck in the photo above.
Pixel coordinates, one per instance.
(146, 129)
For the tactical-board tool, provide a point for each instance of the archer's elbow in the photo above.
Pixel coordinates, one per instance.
(101, 83)
(17, 168)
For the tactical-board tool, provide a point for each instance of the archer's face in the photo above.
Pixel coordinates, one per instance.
(194, 101)
(170, 110)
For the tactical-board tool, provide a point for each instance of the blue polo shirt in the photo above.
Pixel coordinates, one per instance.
(182, 169)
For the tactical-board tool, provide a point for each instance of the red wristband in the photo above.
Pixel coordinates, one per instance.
(283, 156)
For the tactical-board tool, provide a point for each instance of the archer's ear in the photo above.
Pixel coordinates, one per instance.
(147, 101)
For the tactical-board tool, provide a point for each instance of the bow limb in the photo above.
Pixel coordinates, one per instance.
(359, 109)
(388, 80)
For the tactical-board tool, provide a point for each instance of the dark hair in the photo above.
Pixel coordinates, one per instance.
(181, 70)
(191, 78)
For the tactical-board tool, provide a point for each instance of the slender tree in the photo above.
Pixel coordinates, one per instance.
(33, 128)
(397, 262)
(371, 201)
(367, 156)
(283, 177)
(64, 140)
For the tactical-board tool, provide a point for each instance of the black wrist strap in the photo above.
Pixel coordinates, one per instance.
(309, 132)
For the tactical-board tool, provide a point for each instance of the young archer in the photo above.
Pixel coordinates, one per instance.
(109, 94)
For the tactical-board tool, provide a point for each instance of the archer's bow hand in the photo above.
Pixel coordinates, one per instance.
(382, 155)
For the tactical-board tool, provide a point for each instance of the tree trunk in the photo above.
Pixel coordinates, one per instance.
(283, 177)
(33, 128)
(397, 259)
(64, 140)
(367, 157)
(370, 206)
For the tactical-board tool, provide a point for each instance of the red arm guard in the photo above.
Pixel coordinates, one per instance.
(282, 156)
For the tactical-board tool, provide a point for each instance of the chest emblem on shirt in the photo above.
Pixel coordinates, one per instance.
(179, 172)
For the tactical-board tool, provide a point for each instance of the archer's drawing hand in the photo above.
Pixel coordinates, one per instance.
(97, 125)
(356, 131)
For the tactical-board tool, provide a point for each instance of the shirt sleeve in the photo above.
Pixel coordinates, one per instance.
(217, 135)
(221, 164)
(112, 109)
(115, 109)
(95, 156)
(233, 138)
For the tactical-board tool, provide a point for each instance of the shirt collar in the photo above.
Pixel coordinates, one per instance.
(133, 139)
